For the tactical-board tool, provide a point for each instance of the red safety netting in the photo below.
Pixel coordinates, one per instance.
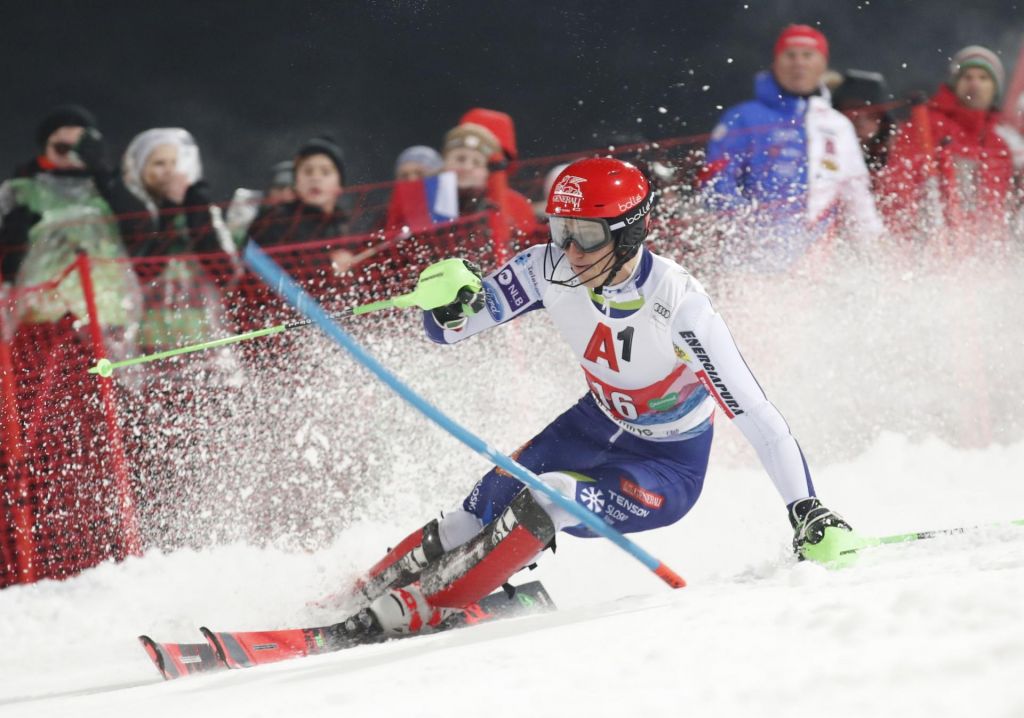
(84, 462)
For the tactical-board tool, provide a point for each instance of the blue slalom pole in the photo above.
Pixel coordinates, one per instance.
(282, 283)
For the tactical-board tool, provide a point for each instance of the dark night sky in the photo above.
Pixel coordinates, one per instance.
(251, 80)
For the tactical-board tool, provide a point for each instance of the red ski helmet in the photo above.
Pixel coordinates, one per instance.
(600, 200)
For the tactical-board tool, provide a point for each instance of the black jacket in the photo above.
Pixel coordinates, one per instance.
(295, 222)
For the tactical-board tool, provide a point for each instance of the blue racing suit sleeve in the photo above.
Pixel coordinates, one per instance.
(510, 291)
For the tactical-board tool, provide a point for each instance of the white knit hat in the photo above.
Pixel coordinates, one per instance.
(142, 146)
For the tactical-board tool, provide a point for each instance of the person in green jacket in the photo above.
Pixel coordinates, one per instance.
(54, 208)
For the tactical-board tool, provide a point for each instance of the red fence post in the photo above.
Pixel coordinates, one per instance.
(130, 538)
(21, 564)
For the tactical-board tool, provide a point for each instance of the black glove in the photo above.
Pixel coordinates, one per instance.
(469, 302)
(809, 519)
(92, 150)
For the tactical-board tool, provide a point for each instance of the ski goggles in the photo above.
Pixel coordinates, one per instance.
(588, 234)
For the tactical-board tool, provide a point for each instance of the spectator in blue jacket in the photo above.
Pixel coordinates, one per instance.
(786, 162)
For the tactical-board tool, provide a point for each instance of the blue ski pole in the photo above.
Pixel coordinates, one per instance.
(282, 283)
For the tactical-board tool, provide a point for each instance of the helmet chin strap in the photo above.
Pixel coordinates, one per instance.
(622, 255)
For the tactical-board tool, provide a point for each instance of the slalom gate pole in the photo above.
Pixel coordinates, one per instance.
(105, 367)
(283, 284)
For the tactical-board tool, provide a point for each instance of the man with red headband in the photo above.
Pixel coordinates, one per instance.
(786, 162)
(659, 363)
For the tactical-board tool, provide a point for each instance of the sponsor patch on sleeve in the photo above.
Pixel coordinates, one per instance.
(511, 288)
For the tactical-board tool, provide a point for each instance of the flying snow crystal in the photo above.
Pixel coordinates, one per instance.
(728, 60)
(705, 88)
(639, 119)
(663, 110)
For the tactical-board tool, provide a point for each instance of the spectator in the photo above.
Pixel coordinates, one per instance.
(948, 164)
(459, 189)
(861, 96)
(282, 183)
(168, 213)
(467, 151)
(52, 209)
(517, 209)
(416, 163)
(167, 208)
(787, 160)
(319, 173)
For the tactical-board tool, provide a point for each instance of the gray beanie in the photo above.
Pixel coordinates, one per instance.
(978, 56)
(428, 157)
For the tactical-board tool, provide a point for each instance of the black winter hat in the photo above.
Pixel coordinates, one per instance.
(323, 145)
(63, 116)
(859, 89)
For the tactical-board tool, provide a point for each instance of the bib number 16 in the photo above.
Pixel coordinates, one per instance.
(622, 404)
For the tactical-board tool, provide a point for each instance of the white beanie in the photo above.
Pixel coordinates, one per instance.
(142, 146)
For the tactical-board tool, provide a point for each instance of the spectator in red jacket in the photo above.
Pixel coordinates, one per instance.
(517, 209)
(948, 166)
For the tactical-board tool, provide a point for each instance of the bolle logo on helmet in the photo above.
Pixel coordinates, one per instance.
(631, 202)
(640, 213)
(568, 191)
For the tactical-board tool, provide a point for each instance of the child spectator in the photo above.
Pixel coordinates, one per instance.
(169, 213)
(282, 183)
(167, 209)
(467, 150)
(416, 163)
(319, 175)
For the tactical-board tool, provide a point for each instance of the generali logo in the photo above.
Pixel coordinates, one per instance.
(568, 191)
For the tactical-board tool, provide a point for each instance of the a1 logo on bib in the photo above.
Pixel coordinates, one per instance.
(602, 347)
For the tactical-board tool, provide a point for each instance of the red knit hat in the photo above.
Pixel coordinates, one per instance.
(801, 36)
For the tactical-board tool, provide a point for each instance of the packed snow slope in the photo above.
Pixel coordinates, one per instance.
(904, 386)
(934, 628)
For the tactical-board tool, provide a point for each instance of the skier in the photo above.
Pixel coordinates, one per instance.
(658, 359)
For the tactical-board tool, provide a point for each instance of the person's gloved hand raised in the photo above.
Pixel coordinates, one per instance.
(469, 300)
(92, 151)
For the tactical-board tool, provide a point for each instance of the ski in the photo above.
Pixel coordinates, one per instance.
(242, 649)
(923, 535)
(176, 660)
